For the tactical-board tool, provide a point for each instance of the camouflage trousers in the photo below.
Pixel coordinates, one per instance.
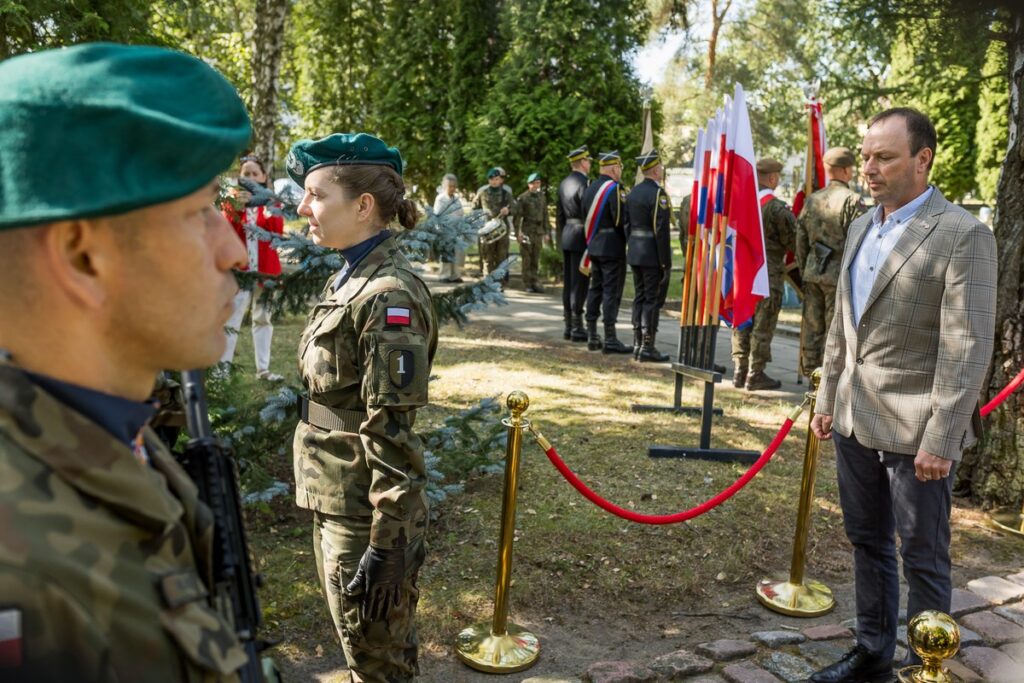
(529, 252)
(494, 253)
(755, 341)
(376, 651)
(819, 307)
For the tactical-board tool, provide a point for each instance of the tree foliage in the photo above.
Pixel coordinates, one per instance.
(993, 121)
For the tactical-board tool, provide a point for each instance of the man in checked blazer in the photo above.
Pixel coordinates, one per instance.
(905, 360)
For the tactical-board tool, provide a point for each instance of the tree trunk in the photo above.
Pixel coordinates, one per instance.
(995, 472)
(268, 44)
(717, 18)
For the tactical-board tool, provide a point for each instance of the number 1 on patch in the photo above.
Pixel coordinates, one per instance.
(401, 368)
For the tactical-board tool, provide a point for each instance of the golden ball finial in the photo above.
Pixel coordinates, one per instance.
(933, 635)
(815, 378)
(517, 402)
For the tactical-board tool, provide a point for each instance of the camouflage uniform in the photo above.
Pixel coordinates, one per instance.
(492, 200)
(532, 226)
(365, 357)
(104, 560)
(822, 228)
(755, 341)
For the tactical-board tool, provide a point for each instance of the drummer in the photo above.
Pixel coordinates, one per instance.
(497, 201)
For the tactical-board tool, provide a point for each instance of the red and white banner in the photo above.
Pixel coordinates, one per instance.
(814, 163)
(10, 638)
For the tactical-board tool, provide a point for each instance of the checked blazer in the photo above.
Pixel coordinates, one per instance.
(909, 376)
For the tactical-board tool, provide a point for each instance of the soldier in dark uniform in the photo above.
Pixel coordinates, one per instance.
(569, 228)
(649, 254)
(604, 203)
(753, 344)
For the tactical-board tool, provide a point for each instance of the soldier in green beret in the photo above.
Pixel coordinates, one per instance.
(496, 200)
(365, 359)
(820, 241)
(532, 226)
(112, 268)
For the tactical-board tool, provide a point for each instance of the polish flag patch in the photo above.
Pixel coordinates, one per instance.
(10, 638)
(398, 316)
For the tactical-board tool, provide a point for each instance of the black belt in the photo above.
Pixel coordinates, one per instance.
(641, 232)
(333, 419)
(573, 221)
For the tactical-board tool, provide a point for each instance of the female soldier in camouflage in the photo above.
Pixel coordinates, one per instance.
(364, 358)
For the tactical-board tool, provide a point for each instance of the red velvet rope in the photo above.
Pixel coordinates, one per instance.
(1004, 394)
(725, 495)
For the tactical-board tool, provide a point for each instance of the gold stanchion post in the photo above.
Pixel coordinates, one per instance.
(499, 646)
(935, 637)
(800, 596)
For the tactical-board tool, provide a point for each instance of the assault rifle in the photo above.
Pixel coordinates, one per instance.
(211, 466)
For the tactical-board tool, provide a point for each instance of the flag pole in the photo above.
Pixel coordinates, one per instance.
(686, 305)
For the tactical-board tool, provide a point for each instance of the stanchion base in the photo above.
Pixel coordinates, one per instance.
(1008, 521)
(713, 454)
(478, 648)
(916, 674)
(678, 410)
(809, 599)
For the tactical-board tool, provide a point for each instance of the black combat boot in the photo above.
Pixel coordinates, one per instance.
(578, 334)
(638, 337)
(649, 352)
(593, 341)
(739, 374)
(612, 343)
(567, 333)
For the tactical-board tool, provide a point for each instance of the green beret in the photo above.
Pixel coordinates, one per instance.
(769, 165)
(496, 172)
(340, 149)
(532, 177)
(842, 157)
(101, 129)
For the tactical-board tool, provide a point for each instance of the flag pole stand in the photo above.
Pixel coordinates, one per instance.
(710, 378)
(677, 407)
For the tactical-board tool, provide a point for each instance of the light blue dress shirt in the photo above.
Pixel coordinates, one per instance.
(878, 242)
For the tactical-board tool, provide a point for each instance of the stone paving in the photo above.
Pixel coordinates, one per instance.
(990, 613)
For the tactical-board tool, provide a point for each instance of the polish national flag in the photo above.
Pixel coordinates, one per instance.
(745, 256)
(10, 639)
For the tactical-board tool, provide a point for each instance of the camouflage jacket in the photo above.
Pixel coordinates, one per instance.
(494, 199)
(104, 561)
(779, 237)
(366, 354)
(825, 219)
(532, 214)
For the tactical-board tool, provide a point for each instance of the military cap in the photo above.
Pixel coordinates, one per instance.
(533, 176)
(579, 154)
(496, 172)
(340, 149)
(101, 129)
(649, 160)
(609, 158)
(769, 165)
(842, 157)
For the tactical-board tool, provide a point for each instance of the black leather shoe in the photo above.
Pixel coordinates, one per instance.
(911, 659)
(856, 666)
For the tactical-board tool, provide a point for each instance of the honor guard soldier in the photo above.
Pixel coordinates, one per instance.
(753, 344)
(606, 228)
(364, 359)
(497, 201)
(649, 254)
(112, 268)
(532, 226)
(572, 240)
(820, 239)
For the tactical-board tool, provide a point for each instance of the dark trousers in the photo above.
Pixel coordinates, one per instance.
(880, 496)
(606, 279)
(574, 283)
(646, 299)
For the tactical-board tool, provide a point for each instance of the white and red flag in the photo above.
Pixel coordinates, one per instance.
(746, 266)
(10, 638)
(814, 162)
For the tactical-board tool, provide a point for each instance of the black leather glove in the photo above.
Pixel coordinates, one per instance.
(379, 579)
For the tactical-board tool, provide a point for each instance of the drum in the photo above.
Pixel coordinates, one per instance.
(493, 231)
